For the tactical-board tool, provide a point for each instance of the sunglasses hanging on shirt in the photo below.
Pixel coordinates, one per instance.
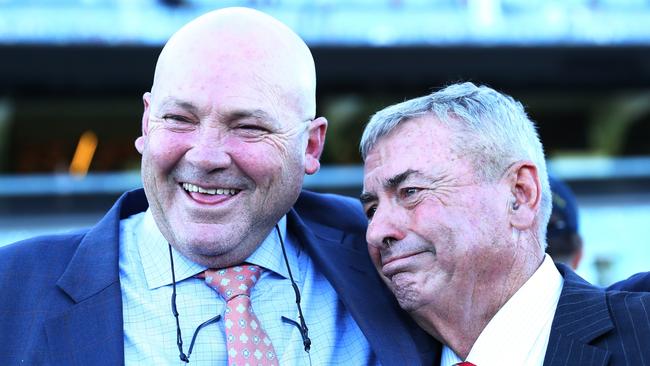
(302, 326)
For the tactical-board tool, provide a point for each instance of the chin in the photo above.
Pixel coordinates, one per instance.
(210, 254)
(216, 246)
(406, 292)
(408, 298)
(208, 247)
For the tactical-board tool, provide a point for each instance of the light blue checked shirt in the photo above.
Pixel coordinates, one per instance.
(150, 328)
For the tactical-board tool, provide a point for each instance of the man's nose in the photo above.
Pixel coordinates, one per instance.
(209, 151)
(385, 227)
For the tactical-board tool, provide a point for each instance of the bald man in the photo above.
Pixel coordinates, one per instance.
(256, 270)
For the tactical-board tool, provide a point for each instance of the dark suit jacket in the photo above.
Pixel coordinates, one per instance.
(61, 301)
(639, 282)
(593, 326)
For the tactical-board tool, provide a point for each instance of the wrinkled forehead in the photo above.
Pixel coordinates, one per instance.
(416, 145)
(391, 154)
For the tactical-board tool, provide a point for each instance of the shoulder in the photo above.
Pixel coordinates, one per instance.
(333, 210)
(616, 300)
(638, 282)
(30, 271)
(630, 305)
(42, 252)
(615, 321)
(629, 339)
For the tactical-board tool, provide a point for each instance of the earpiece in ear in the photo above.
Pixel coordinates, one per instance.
(515, 206)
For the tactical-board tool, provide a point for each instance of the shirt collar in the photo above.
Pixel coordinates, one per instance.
(513, 332)
(154, 255)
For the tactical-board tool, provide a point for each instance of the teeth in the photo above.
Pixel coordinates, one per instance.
(208, 191)
(194, 188)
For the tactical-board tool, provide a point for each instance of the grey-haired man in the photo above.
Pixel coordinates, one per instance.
(457, 197)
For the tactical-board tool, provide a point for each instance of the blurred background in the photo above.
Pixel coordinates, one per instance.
(72, 73)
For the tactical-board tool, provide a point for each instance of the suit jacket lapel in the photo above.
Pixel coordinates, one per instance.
(91, 331)
(353, 276)
(582, 315)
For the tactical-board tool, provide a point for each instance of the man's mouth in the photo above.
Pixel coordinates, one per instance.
(398, 263)
(193, 188)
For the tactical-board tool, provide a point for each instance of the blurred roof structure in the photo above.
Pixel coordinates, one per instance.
(329, 22)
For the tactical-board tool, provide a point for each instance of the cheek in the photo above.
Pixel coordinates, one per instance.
(264, 159)
(285, 147)
(431, 224)
(163, 149)
(253, 150)
(443, 235)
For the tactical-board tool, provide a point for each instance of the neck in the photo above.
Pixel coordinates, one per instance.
(458, 321)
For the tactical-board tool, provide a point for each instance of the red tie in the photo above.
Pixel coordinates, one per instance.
(464, 363)
(247, 343)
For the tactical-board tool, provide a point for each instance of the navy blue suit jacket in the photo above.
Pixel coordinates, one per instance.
(61, 301)
(593, 326)
(639, 282)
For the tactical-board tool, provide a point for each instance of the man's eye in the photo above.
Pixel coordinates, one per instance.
(370, 212)
(176, 118)
(252, 127)
(409, 191)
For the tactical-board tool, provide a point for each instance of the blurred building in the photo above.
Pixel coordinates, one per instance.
(73, 72)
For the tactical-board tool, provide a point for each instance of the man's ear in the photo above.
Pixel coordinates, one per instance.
(315, 144)
(526, 194)
(141, 140)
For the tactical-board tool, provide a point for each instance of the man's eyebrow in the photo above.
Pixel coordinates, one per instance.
(173, 102)
(367, 197)
(390, 184)
(244, 113)
(396, 180)
(258, 114)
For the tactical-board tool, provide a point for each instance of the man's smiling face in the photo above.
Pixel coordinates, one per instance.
(228, 134)
(219, 170)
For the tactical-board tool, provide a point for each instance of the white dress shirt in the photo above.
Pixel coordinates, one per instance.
(518, 333)
(150, 328)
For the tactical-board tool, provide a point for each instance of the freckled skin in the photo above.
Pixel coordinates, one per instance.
(453, 261)
(232, 106)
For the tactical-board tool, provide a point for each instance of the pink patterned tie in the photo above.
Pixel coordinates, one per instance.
(247, 343)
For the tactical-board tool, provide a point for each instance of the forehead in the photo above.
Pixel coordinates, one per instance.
(421, 144)
(238, 78)
(208, 81)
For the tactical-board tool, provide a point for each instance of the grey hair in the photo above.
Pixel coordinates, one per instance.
(500, 133)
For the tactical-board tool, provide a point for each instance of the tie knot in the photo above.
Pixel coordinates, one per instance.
(233, 281)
